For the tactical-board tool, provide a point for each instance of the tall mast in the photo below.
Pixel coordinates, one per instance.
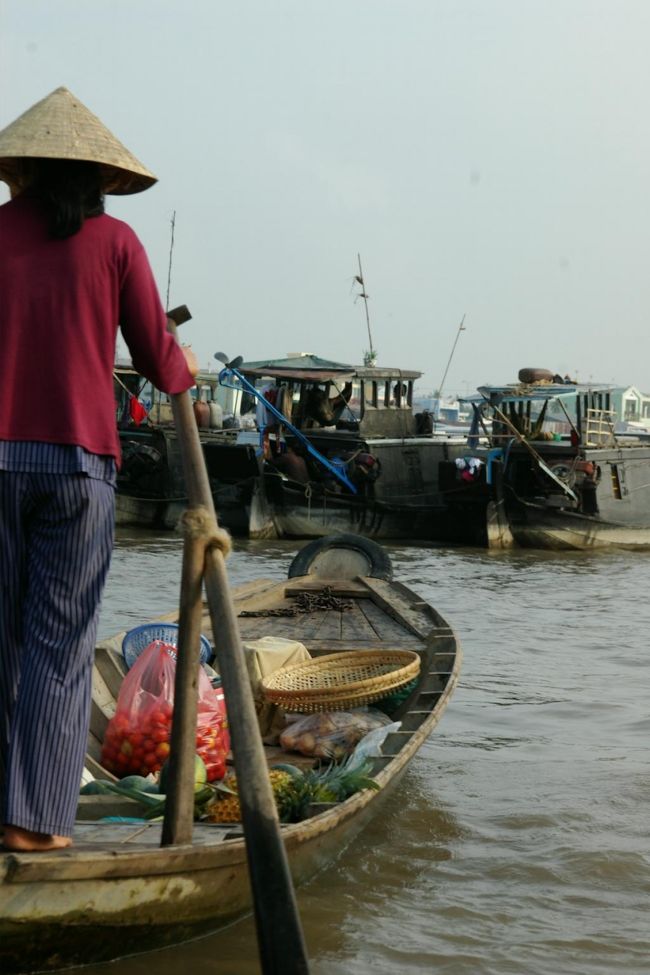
(370, 357)
(171, 254)
(461, 328)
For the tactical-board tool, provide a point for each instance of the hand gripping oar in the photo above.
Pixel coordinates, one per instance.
(281, 944)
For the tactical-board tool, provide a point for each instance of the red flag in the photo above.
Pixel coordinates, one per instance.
(137, 411)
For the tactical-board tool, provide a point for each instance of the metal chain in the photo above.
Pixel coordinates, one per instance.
(306, 602)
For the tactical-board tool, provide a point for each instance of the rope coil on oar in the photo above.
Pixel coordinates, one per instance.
(199, 525)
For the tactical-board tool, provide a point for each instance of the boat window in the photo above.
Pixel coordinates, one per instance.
(400, 394)
(369, 393)
(354, 403)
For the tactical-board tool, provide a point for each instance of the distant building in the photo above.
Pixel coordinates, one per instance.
(630, 404)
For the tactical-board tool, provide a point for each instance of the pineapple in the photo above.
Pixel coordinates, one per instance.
(226, 807)
(294, 791)
(335, 783)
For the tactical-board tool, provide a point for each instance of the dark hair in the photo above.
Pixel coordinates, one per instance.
(69, 191)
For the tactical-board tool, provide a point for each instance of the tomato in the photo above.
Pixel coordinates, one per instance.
(140, 743)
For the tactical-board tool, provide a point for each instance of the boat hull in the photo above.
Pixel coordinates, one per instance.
(405, 502)
(534, 527)
(147, 513)
(198, 890)
(317, 516)
(612, 512)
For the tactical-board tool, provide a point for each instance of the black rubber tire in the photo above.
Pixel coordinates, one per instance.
(565, 472)
(376, 559)
(535, 375)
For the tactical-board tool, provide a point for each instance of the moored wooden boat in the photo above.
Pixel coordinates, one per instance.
(338, 448)
(116, 891)
(549, 471)
(148, 512)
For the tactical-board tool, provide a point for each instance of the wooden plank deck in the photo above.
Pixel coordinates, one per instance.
(102, 836)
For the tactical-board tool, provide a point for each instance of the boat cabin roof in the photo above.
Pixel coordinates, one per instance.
(538, 392)
(301, 370)
(299, 375)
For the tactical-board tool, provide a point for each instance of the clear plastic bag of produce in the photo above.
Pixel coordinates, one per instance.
(137, 738)
(331, 735)
(370, 745)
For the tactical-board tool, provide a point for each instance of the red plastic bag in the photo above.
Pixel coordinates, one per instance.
(138, 735)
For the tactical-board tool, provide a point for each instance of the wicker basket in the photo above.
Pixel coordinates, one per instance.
(341, 680)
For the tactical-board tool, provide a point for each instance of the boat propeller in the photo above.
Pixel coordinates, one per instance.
(229, 364)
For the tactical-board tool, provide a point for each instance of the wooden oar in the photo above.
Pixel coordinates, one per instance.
(281, 943)
(531, 450)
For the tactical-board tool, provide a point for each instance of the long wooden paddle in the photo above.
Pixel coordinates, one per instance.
(281, 943)
(531, 450)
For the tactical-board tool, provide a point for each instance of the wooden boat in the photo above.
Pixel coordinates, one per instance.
(344, 452)
(116, 891)
(550, 471)
(151, 490)
(376, 474)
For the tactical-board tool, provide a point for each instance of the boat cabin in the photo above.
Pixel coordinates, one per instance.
(129, 385)
(562, 413)
(319, 395)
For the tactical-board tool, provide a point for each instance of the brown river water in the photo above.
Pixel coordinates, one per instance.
(519, 840)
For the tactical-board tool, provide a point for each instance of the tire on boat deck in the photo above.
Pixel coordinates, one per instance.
(535, 375)
(342, 556)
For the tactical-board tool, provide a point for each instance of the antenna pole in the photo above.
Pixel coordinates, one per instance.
(371, 352)
(171, 252)
(461, 328)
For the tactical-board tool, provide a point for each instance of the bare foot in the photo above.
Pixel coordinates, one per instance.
(26, 841)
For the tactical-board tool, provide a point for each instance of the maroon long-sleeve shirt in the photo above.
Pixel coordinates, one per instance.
(61, 302)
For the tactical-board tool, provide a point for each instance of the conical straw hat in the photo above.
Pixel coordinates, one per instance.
(60, 127)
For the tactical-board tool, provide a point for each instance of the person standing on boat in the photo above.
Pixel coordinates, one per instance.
(69, 275)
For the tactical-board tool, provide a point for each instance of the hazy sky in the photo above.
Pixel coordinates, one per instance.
(487, 158)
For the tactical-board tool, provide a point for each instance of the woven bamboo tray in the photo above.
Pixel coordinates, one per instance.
(341, 680)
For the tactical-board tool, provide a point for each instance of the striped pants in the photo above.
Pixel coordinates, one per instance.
(56, 539)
